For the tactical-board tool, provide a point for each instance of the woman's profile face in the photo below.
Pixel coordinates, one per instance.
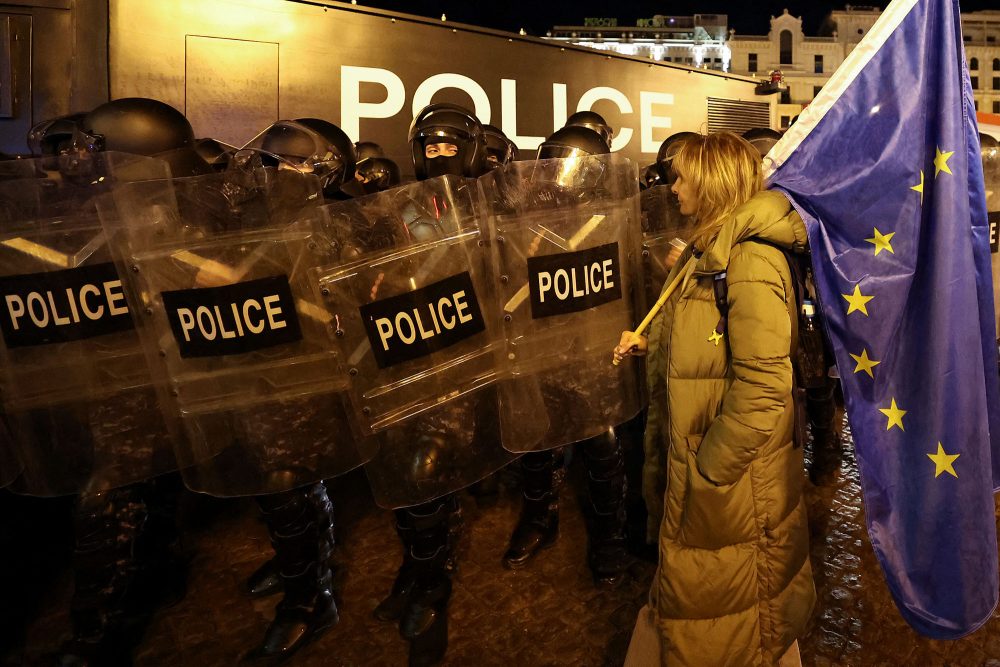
(687, 194)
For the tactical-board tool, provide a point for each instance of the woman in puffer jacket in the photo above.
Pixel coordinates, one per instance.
(722, 479)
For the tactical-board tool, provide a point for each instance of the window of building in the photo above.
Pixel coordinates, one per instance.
(974, 63)
(752, 62)
(785, 40)
(996, 107)
(966, 38)
(667, 59)
(975, 81)
(861, 31)
(977, 105)
(784, 121)
(818, 64)
(816, 90)
(996, 64)
(786, 97)
(996, 83)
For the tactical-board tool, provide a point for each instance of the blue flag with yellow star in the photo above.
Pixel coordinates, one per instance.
(884, 167)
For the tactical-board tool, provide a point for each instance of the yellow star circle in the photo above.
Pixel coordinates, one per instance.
(894, 414)
(864, 363)
(857, 301)
(943, 461)
(715, 338)
(919, 187)
(882, 241)
(941, 162)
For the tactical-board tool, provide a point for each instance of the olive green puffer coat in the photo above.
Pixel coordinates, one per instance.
(722, 479)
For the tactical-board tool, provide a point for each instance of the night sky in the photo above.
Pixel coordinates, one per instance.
(537, 16)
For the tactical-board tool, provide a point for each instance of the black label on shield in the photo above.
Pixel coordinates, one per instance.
(994, 218)
(415, 324)
(216, 321)
(61, 306)
(569, 282)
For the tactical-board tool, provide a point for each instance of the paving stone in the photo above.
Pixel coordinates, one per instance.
(548, 613)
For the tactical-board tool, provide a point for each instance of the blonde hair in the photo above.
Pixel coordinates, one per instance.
(725, 170)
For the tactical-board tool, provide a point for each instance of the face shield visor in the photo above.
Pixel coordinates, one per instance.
(291, 145)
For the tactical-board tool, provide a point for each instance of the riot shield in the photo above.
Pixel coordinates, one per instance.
(220, 263)
(664, 236)
(565, 248)
(77, 391)
(412, 313)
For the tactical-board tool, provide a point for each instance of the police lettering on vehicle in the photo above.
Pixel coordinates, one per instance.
(573, 281)
(233, 319)
(417, 323)
(62, 306)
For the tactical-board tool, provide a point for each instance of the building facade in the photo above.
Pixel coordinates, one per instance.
(807, 62)
(696, 41)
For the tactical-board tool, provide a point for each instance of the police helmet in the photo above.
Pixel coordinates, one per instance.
(665, 155)
(54, 136)
(593, 121)
(499, 149)
(447, 124)
(762, 138)
(141, 126)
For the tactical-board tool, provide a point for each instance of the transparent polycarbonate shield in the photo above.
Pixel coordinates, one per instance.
(77, 391)
(991, 176)
(565, 249)
(441, 450)
(220, 264)
(664, 236)
(410, 298)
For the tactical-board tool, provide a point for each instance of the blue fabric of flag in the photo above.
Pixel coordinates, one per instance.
(886, 172)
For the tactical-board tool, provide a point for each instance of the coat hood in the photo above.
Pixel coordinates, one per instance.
(768, 216)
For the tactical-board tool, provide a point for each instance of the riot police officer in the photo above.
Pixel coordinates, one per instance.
(543, 471)
(123, 555)
(445, 140)
(500, 150)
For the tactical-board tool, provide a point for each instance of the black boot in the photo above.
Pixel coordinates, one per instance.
(607, 554)
(424, 621)
(300, 523)
(107, 526)
(822, 410)
(391, 608)
(265, 580)
(538, 526)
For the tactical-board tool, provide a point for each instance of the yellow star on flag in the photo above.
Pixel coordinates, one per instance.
(894, 414)
(864, 363)
(715, 337)
(919, 187)
(941, 162)
(943, 461)
(857, 301)
(882, 241)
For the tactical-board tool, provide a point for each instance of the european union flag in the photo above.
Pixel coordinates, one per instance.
(884, 166)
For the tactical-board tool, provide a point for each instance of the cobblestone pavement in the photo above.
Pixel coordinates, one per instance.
(548, 614)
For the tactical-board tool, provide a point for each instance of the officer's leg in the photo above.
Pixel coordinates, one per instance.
(538, 526)
(607, 554)
(107, 526)
(821, 407)
(424, 620)
(300, 524)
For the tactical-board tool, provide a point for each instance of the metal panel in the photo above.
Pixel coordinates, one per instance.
(231, 85)
(366, 70)
(15, 81)
(736, 115)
